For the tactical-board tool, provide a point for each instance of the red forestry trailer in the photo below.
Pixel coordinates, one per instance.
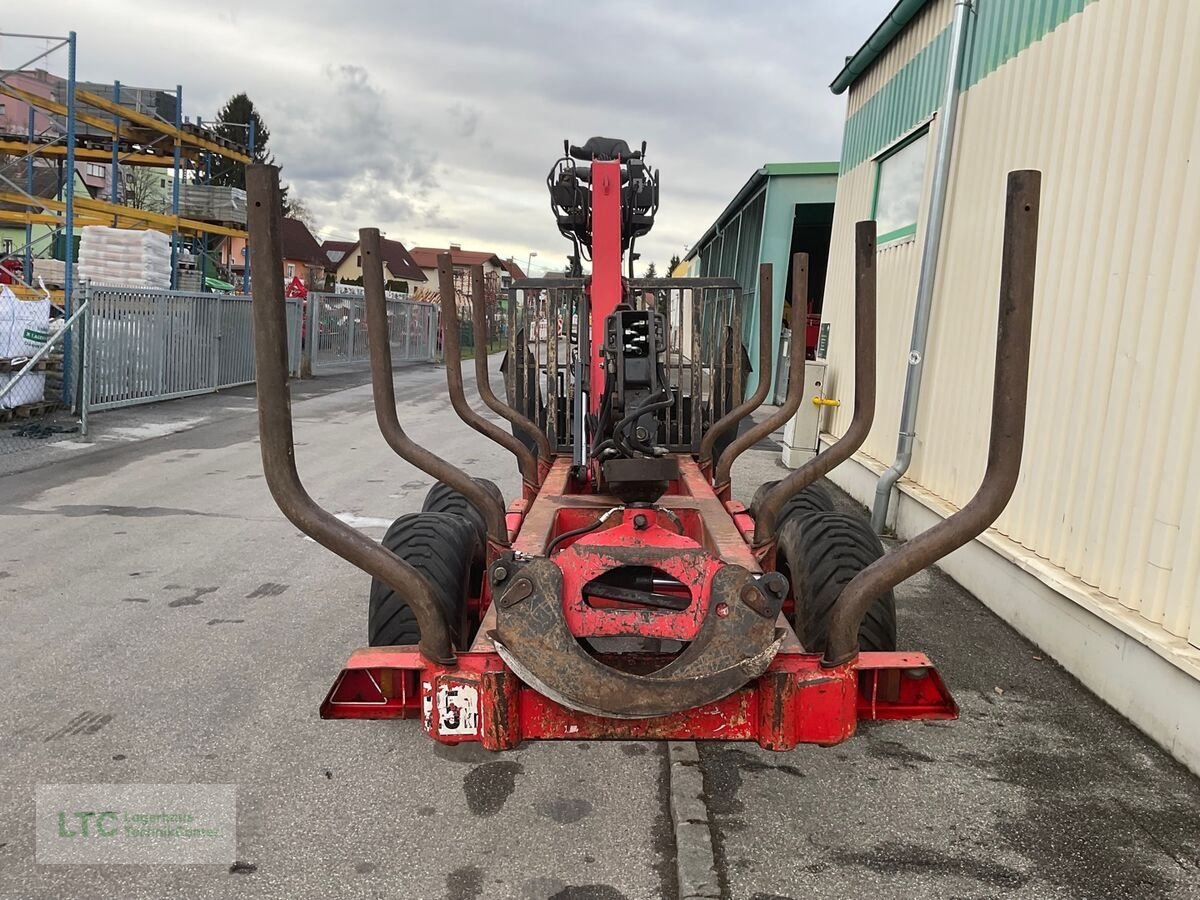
(624, 594)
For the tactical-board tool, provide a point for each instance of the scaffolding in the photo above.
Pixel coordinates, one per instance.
(113, 133)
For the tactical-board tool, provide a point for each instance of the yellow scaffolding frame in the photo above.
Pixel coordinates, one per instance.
(99, 212)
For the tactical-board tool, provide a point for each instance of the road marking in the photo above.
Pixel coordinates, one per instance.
(695, 865)
(356, 521)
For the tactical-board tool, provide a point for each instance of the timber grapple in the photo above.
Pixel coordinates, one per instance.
(624, 594)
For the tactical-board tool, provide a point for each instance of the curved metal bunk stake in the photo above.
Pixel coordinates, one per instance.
(454, 381)
(482, 380)
(864, 396)
(734, 417)
(384, 394)
(795, 386)
(265, 211)
(1009, 392)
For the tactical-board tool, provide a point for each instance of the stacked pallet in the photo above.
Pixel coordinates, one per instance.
(213, 203)
(119, 256)
(53, 272)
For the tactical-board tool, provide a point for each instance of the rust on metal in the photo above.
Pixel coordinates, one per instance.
(519, 590)
(452, 351)
(734, 417)
(795, 386)
(384, 395)
(535, 641)
(1010, 388)
(275, 425)
(483, 380)
(864, 397)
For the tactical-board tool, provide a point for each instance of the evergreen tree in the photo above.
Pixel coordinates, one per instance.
(232, 121)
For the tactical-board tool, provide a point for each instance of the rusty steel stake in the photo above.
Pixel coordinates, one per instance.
(384, 394)
(483, 381)
(265, 223)
(526, 461)
(795, 386)
(1009, 392)
(864, 396)
(734, 417)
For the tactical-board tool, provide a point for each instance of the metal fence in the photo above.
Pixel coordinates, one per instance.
(145, 345)
(704, 356)
(339, 322)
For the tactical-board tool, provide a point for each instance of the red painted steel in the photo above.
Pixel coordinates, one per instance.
(606, 287)
(688, 537)
(478, 699)
(796, 702)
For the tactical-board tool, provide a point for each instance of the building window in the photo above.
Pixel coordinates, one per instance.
(358, 261)
(291, 270)
(8, 246)
(899, 182)
(95, 171)
(3, 111)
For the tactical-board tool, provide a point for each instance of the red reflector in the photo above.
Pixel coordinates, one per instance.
(373, 693)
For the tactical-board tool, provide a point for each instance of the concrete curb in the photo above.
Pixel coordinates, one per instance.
(695, 864)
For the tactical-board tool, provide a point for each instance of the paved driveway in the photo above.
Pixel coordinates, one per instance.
(163, 623)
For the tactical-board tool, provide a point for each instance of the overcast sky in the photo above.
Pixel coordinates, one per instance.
(438, 122)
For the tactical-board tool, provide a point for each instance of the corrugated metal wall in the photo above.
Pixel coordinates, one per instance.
(1105, 105)
(924, 27)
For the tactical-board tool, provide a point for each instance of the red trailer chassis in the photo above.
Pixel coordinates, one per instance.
(478, 698)
(718, 659)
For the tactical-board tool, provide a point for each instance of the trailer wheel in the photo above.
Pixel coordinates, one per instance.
(813, 499)
(441, 547)
(444, 499)
(822, 552)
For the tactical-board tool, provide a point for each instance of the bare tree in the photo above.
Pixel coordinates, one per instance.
(298, 209)
(144, 187)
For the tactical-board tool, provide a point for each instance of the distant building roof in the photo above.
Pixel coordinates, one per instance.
(426, 257)
(513, 269)
(336, 250)
(398, 260)
(45, 182)
(299, 244)
(756, 180)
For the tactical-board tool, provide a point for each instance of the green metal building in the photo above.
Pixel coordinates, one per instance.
(784, 208)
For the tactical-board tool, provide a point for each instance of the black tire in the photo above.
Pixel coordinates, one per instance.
(444, 499)
(440, 546)
(821, 553)
(813, 499)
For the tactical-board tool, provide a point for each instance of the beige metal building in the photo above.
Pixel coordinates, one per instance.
(1097, 558)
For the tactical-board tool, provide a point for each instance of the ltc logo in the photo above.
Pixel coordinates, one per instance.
(89, 824)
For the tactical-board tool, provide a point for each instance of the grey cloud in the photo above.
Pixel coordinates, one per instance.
(467, 117)
(399, 115)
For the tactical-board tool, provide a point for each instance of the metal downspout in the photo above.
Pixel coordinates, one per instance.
(929, 261)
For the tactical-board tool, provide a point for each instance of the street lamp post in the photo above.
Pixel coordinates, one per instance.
(528, 260)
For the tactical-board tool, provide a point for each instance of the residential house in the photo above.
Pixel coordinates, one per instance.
(399, 269)
(514, 272)
(496, 275)
(495, 272)
(48, 184)
(14, 121)
(14, 113)
(303, 257)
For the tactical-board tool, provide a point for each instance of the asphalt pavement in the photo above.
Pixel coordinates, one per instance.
(164, 624)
